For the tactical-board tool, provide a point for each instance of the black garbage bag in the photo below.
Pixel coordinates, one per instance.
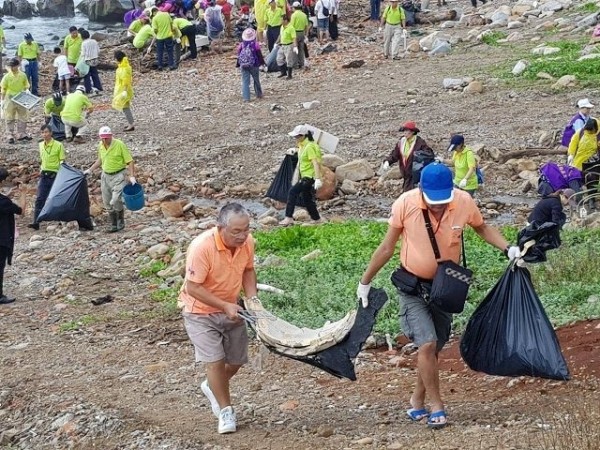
(509, 333)
(338, 360)
(57, 127)
(546, 236)
(282, 183)
(68, 199)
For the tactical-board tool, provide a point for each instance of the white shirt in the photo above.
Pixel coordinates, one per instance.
(90, 49)
(319, 8)
(62, 67)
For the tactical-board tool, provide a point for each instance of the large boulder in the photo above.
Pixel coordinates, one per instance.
(21, 9)
(356, 170)
(105, 10)
(56, 8)
(329, 184)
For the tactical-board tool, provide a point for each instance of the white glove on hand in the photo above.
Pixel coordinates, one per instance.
(404, 32)
(290, 151)
(86, 172)
(380, 29)
(178, 40)
(463, 183)
(318, 184)
(132, 180)
(363, 293)
(28, 91)
(296, 50)
(513, 252)
(570, 160)
(385, 166)
(123, 94)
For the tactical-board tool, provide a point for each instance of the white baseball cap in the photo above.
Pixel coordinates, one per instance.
(296, 5)
(105, 132)
(80, 88)
(584, 103)
(300, 130)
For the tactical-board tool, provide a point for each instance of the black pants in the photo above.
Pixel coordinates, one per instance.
(306, 187)
(43, 189)
(3, 259)
(190, 33)
(474, 2)
(272, 36)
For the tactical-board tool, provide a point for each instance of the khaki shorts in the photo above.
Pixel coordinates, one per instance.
(216, 337)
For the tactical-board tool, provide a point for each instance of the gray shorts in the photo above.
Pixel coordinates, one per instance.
(216, 337)
(422, 322)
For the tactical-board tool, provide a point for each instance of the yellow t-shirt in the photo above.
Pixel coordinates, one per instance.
(143, 36)
(51, 108)
(162, 24)
(582, 147)
(288, 34)
(393, 16)
(135, 26)
(260, 7)
(463, 162)
(299, 20)
(28, 51)
(115, 157)
(13, 84)
(75, 103)
(51, 155)
(309, 151)
(73, 48)
(181, 23)
(273, 17)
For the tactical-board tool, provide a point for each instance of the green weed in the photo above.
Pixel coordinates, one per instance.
(589, 7)
(153, 268)
(325, 288)
(492, 38)
(77, 324)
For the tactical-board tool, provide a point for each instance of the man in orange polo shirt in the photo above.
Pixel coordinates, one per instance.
(220, 262)
(426, 325)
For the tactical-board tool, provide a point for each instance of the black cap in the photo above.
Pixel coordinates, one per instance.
(28, 37)
(14, 62)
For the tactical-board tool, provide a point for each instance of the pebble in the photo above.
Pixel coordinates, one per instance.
(364, 441)
(36, 244)
(48, 257)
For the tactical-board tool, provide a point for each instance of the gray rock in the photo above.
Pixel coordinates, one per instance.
(62, 421)
(515, 24)
(453, 83)
(56, 8)
(332, 161)
(440, 48)
(105, 11)
(500, 18)
(356, 170)
(349, 187)
(552, 6)
(588, 21)
(520, 67)
(311, 105)
(158, 250)
(20, 9)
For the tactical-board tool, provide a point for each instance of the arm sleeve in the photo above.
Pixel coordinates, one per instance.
(558, 215)
(475, 218)
(394, 156)
(251, 245)
(197, 266)
(62, 156)
(574, 144)
(396, 220)
(8, 207)
(471, 161)
(578, 124)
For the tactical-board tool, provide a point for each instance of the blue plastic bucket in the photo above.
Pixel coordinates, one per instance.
(133, 196)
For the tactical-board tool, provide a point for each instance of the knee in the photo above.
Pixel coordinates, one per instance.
(428, 349)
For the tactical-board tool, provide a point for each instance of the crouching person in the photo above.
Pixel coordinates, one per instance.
(220, 263)
(114, 157)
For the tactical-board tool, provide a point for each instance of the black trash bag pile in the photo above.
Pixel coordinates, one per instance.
(68, 199)
(338, 360)
(509, 333)
(282, 183)
(546, 236)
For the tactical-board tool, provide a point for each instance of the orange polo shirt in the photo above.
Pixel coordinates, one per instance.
(416, 254)
(211, 264)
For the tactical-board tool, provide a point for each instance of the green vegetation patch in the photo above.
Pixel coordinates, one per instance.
(324, 288)
(492, 38)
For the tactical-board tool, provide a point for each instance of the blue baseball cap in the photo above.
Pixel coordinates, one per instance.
(436, 184)
(456, 141)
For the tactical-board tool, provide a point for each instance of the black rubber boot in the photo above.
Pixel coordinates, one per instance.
(113, 220)
(289, 73)
(120, 220)
(283, 71)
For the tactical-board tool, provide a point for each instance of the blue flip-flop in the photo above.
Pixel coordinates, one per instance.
(436, 415)
(416, 415)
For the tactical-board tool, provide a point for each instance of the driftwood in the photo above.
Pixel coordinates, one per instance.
(531, 151)
(430, 18)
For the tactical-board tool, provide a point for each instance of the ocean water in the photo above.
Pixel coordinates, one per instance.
(46, 31)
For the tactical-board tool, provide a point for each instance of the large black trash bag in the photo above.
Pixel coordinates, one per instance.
(546, 236)
(57, 128)
(338, 360)
(68, 199)
(282, 183)
(509, 333)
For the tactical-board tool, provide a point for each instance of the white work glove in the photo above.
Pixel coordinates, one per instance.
(513, 252)
(290, 151)
(86, 172)
(570, 160)
(132, 180)
(404, 32)
(318, 184)
(296, 50)
(363, 293)
(385, 166)
(463, 183)
(178, 40)
(28, 91)
(123, 94)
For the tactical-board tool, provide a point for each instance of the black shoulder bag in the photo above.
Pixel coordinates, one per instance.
(450, 285)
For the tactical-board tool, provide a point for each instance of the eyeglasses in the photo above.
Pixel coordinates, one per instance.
(238, 233)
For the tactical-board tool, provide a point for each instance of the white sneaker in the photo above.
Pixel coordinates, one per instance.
(227, 421)
(214, 404)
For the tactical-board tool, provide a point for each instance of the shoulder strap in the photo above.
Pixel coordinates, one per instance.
(434, 246)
